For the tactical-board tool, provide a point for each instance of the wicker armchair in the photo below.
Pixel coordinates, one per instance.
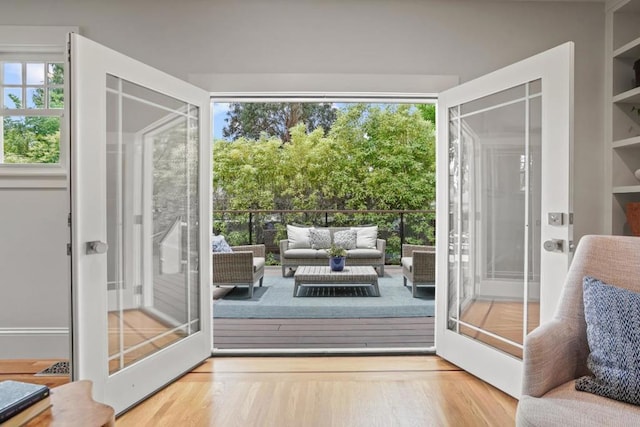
(242, 267)
(418, 266)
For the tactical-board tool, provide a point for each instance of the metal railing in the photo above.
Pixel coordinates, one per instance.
(268, 227)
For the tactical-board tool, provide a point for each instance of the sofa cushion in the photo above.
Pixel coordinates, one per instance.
(301, 253)
(258, 263)
(298, 237)
(219, 244)
(366, 237)
(612, 315)
(364, 253)
(407, 262)
(346, 239)
(319, 238)
(564, 406)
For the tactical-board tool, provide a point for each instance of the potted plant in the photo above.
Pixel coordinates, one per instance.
(337, 256)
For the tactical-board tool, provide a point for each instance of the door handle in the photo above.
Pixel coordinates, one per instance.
(96, 247)
(554, 245)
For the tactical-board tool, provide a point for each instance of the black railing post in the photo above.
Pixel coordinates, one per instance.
(401, 229)
(251, 228)
(326, 218)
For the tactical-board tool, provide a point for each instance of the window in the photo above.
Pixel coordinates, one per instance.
(33, 80)
(32, 107)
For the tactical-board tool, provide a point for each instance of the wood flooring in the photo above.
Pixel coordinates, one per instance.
(24, 370)
(325, 391)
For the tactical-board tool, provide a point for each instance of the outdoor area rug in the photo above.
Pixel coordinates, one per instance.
(276, 300)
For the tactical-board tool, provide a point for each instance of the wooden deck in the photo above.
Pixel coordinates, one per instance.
(242, 334)
(292, 334)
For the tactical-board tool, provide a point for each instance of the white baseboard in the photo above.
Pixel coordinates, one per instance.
(34, 343)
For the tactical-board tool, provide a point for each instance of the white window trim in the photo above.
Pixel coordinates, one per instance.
(44, 43)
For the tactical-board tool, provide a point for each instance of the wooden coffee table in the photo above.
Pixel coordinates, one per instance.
(322, 275)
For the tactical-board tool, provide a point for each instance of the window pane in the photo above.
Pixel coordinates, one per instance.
(35, 97)
(12, 97)
(56, 98)
(31, 139)
(12, 73)
(35, 74)
(55, 74)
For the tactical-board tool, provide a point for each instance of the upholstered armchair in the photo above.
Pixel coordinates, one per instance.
(555, 354)
(242, 267)
(418, 266)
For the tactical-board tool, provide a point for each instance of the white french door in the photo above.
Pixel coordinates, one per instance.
(504, 212)
(140, 173)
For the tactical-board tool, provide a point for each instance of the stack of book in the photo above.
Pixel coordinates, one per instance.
(20, 402)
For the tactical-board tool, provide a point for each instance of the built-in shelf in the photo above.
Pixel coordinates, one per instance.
(629, 50)
(624, 189)
(629, 97)
(628, 142)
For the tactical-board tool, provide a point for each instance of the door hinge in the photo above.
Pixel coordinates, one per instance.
(69, 249)
(137, 219)
(138, 290)
(69, 220)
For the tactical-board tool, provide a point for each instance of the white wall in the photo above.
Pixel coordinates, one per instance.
(374, 37)
(34, 303)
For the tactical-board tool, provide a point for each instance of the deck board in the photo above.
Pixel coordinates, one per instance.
(229, 334)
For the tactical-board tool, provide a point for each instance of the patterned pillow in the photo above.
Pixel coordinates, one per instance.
(219, 244)
(613, 332)
(319, 238)
(345, 239)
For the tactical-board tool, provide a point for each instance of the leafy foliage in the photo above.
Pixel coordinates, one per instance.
(274, 119)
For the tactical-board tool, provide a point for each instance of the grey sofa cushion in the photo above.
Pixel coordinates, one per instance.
(407, 262)
(301, 253)
(258, 263)
(613, 332)
(364, 253)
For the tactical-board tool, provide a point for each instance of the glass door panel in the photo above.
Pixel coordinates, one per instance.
(152, 221)
(495, 218)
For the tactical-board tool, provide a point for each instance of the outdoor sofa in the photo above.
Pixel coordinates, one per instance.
(307, 246)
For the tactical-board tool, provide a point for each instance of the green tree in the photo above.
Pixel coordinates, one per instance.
(251, 119)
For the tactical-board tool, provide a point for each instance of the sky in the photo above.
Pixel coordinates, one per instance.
(12, 75)
(219, 114)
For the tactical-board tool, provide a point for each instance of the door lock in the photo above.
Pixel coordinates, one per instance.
(554, 245)
(96, 247)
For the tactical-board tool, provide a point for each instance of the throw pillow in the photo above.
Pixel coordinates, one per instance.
(612, 315)
(298, 237)
(366, 238)
(219, 244)
(319, 238)
(345, 239)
